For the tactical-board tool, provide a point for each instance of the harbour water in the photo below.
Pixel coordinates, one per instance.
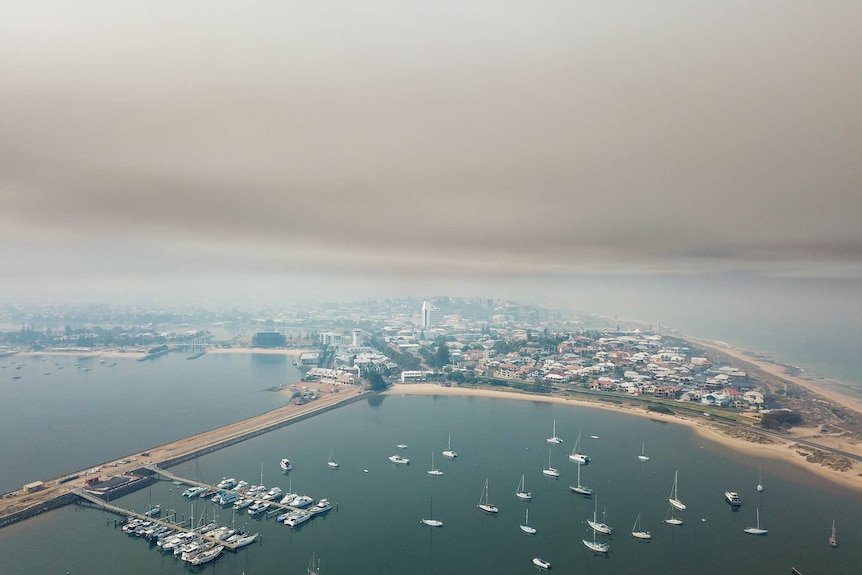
(54, 424)
(375, 528)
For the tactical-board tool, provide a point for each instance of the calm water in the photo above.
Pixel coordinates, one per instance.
(55, 424)
(376, 528)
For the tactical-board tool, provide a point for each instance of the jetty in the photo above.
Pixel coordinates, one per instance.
(137, 471)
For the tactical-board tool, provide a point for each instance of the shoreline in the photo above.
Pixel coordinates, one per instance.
(777, 449)
(779, 370)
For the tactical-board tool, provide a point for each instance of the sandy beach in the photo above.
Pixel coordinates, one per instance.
(780, 371)
(777, 450)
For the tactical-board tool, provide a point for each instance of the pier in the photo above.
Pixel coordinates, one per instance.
(275, 507)
(22, 504)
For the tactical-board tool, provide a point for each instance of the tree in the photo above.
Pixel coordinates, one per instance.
(441, 356)
(376, 382)
(780, 419)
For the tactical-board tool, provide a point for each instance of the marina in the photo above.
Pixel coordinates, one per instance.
(365, 473)
(203, 543)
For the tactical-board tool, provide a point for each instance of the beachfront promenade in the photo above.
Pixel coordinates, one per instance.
(55, 493)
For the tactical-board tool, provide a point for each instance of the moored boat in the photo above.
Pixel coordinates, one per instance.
(541, 563)
(554, 439)
(756, 530)
(639, 533)
(576, 456)
(732, 498)
(207, 556)
(597, 525)
(674, 498)
(297, 518)
(285, 465)
(483, 501)
(397, 459)
(244, 540)
(449, 452)
(521, 493)
(321, 506)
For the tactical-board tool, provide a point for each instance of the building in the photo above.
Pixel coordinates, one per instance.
(268, 339)
(431, 315)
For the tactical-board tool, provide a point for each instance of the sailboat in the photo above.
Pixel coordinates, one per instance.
(760, 481)
(576, 456)
(312, 568)
(643, 456)
(597, 525)
(521, 493)
(674, 499)
(448, 451)
(554, 438)
(594, 545)
(637, 533)
(526, 528)
(432, 522)
(332, 463)
(756, 530)
(550, 471)
(582, 489)
(483, 501)
(832, 540)
(434, 470)
(670, 519)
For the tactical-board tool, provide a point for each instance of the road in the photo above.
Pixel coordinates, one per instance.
(331, 396)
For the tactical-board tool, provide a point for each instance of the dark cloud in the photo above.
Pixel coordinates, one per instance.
(449, 139)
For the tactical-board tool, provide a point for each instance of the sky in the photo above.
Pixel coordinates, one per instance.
(320, 149)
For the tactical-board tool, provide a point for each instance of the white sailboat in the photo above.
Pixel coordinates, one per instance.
(483, 501)
(448, 452)
(332, 463)
(833, 540)
(597, 525)
(594, 544)
(521, 493)
(434, 470)
(550, 471)
(431, 522)
(643, 456)
(756, 530)
(674, 498)
(669, 517)
(313, 569)
(582, 489)
(526, 528)
(637, 532)
(554, 438)
(760, 481)
(576, 455)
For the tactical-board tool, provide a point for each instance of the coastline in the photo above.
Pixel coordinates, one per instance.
(778, 370)
(777, 449)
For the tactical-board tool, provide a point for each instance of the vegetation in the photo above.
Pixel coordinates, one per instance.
(660, 409)
(780, 419)
(376, 382)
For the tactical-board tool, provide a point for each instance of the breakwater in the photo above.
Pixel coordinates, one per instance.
(16, 507)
